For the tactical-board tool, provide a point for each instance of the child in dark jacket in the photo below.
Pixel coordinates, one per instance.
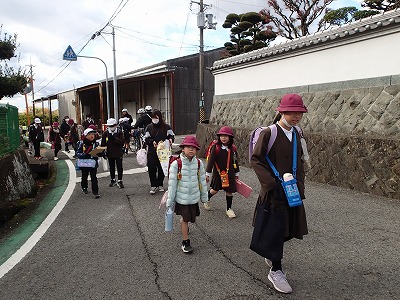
(55, 138)
(113, 138)
(84, 148)
(224, 168)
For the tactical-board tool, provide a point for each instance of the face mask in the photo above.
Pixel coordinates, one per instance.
(66, 120)
(155, 121)
(285, 122)
(112, 129)
(56, 130)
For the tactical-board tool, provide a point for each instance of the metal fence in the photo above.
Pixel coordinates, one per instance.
(9, 129)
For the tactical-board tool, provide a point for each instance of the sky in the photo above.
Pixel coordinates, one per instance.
(146, 33)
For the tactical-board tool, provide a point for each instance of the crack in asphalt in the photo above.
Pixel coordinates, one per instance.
(146, 249)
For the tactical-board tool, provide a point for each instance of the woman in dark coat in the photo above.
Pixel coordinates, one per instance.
(156, 132)
(271, 193)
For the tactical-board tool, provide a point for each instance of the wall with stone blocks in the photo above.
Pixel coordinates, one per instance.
(16, 180)
(353, 135)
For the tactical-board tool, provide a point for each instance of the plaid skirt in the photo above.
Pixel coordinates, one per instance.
(188, 212)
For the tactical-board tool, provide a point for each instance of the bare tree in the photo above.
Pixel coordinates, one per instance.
(293, 18)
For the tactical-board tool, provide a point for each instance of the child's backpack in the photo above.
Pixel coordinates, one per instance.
(255, 134)
(179, 161)
(217, 148)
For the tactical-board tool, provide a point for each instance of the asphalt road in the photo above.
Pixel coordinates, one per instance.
(115, 247)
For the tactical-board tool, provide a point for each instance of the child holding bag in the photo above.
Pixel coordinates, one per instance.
(186, 187)
(224, 166)
(84, 148)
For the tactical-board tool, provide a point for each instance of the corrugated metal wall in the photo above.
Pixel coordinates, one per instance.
(9, 129)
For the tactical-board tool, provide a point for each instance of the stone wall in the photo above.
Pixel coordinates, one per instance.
(353, 135)
(16, 180)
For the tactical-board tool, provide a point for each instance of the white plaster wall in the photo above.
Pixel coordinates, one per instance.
(373, 57)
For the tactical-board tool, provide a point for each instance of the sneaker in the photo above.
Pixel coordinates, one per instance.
(112, 183)
(161, 189)
(279, 281)
(55, 158)
(186, 248)
(85, 191)
(207, 205)
(230, 213)
(120, 184)
(153, 190)
(96, 196)
(268, 262)
(67, 151)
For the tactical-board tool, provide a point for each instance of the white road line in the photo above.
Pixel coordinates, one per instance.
(41, 230)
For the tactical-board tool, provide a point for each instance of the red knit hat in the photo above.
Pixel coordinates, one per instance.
(225, 130)
(55, 124)
(292, 102)
(71, 122)
(190, 140)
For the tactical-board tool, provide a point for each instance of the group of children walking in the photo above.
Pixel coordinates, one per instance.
(188, 178)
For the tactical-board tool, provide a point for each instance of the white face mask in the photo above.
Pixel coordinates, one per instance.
(285, 122)
(155, 121)
(66, 120)
(56, 130)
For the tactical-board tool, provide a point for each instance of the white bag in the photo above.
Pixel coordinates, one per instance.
(141, 157)
(104, 164)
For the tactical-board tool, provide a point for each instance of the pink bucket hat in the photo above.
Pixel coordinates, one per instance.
(292, 102)
(225, 130)
(190, 141)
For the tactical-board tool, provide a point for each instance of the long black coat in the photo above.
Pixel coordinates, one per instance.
(281, 156)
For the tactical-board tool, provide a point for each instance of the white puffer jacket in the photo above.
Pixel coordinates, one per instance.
(190, 189)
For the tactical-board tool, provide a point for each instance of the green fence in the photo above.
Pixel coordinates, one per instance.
(9, 129)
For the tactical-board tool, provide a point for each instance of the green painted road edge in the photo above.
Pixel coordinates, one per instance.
(25, 230)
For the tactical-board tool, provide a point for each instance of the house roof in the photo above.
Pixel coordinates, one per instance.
(345, 33)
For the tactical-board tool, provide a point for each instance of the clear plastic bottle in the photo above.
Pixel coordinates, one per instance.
(169, 219)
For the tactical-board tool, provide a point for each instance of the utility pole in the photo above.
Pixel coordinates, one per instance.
(33, 91)
(116, 111)
(201, 24)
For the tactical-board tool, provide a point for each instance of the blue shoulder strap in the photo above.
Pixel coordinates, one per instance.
(294, 161)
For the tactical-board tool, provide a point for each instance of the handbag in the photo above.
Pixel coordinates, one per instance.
(141, 157)
(268, 234)
(290, 187)
(104, 164)
(85, 163)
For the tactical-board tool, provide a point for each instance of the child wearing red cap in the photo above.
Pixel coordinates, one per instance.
(291, 220)
(224, 166)
(186, 187)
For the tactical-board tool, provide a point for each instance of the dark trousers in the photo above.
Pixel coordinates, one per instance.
(36, 147)
(66, 146)
(113, 162)
(156, 172)
(93, 177)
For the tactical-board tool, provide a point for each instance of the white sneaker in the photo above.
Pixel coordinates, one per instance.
(153, 190)
(207, 205)
(279, 281)
(230, 213)
(161, 189)
(55, 158)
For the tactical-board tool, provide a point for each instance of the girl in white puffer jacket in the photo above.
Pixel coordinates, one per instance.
(187, 186)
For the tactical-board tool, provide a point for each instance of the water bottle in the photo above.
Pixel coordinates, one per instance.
(169, 219)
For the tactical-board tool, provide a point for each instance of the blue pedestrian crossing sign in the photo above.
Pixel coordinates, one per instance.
(69, 54)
